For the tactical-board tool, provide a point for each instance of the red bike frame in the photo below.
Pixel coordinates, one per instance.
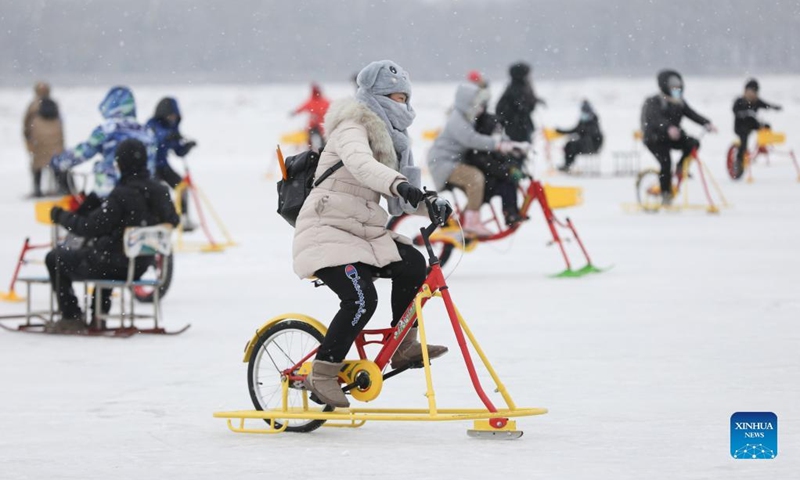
(535, 192)
(391, 338)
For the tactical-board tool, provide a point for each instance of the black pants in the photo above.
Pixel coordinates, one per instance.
(37, 183)
(66, 265)
(353, 284)
(661, 150)
(506, 189)
(576, 147)
(743, 135)
(169, 176)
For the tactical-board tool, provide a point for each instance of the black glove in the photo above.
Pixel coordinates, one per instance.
(189, 145)
(55, 214)
(410, 193)
(777, 108)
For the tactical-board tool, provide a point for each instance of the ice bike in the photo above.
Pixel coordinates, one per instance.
(279, 359)
(450, 237)
(766, 140)
(648, 187)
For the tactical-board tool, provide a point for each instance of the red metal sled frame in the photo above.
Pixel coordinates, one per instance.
(534, 192)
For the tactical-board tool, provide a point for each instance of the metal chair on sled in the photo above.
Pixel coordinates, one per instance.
(138, 242)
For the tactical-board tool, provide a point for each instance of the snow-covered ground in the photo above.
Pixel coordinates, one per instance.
(641, 367)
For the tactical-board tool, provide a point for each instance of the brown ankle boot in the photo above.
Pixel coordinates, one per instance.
(322, 382)
(410, 350)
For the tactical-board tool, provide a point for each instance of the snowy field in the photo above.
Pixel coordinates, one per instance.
(641, 367)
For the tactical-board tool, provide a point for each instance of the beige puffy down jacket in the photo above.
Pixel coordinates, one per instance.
(341, 221)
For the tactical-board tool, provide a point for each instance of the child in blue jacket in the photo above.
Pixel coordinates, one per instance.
(119, 110)
(164, 127)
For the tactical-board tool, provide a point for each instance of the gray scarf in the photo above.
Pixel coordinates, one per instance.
(397, 117)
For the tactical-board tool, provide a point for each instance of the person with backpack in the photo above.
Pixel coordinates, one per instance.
(165, 129)
(119, 111)
(136, 200)
(45, 140)
(661, 125)
(341, 236)
(585, 137)
(745, 112)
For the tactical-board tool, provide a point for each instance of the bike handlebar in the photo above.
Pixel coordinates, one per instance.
(439, 211)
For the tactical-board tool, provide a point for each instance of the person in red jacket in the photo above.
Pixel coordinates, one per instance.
(316, 107)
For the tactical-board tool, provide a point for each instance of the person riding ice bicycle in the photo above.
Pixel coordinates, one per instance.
(119, 111)
(446, 158)
(503, 171)
(341, 236)
(316, 107)
(745, 112)
(661, 126)
(165, 127)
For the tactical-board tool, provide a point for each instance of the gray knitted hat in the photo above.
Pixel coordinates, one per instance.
(384, 77)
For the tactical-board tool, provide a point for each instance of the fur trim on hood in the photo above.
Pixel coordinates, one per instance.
(379, 140)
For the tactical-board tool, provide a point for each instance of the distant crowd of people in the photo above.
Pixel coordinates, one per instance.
(477, 151)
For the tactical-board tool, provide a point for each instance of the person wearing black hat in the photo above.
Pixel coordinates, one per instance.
(585, 138)
(136, 200)
(165, 127)
(517, 103)
(661, 126)
(745, 112)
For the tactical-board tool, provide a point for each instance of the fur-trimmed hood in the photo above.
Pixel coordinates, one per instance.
(379, 140)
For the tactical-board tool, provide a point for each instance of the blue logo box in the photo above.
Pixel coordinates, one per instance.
(754, 435)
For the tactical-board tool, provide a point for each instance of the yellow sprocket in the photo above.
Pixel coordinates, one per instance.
(368, 376)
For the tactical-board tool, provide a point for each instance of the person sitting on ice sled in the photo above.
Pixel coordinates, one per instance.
(119, 110)
(446, 158)
(164, 127)
(586, 137)
(745, 112)
(502, 171)
(341, 236)
(136, 200)
(661, 126)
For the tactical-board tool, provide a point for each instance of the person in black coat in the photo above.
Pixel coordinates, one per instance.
(745, 112)
(136, 201)
(586, 137)
(517, 103)
(661, 126)
(502, 171)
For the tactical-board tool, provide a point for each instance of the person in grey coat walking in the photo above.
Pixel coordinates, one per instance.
(446, 156)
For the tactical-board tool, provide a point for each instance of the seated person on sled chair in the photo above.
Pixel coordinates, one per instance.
(502, 171)
(745, 112)
(136, 200)
(661, 125)
(585, 138)
(341, 236)
(446, 159)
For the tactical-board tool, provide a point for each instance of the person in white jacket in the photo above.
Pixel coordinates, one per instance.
(341, 236)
